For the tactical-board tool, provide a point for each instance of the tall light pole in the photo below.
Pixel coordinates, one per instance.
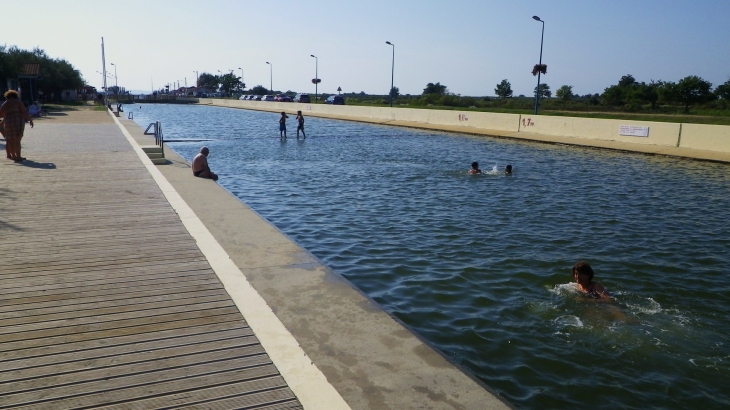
(196, 79)
(316, 77)
(392, 73)
(271, 77)
(244, 84)
(537, 91)
(116, 82)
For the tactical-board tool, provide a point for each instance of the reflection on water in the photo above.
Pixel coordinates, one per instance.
(480, 265)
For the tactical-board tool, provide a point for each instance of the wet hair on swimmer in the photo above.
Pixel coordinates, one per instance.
(203, 150)
(584, 268)
(475, 165)
(508, 168)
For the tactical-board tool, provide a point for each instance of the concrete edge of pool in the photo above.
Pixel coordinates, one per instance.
(370, 358)
(643, 148)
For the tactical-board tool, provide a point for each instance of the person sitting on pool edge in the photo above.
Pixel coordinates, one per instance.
(583, 275)
(474, 169)
(200, 165)
(508, 170)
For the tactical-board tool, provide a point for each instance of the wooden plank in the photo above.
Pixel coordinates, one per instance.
(102, 394)
(99, 391)
(214, 397)
(40, 364)
(13, 359)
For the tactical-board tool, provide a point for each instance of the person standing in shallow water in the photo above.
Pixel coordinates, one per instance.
(14, 117)
(474, 169)
(300, 120)
(282, 125)
(583, 275)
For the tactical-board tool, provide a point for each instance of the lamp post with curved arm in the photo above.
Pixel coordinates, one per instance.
(537, 90)
(271, 77)
(316, 78)
(392, 73)
(243, 84)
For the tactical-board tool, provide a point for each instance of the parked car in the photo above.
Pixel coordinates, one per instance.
(257, 97)
(302, 98)
(243, 97)
(282, 98)
(267, 98)
(335, 100)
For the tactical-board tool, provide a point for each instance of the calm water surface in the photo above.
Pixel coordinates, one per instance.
(480, 265)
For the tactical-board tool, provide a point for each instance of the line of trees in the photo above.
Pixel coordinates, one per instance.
(56, 74)
(633, 95)
(228, 83)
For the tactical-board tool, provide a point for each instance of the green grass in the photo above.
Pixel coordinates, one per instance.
(696, 116)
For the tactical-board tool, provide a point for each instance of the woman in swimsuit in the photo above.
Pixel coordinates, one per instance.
(583, 275)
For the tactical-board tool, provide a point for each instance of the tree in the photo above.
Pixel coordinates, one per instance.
(56, 75)
(209, 81)
(627, 81)
(394, 92)
(504, 89)
(723, 90)
(259, 90)
(565, 93)
(692, 90)
(544, 91)
(229, 83)
(613, 96)
(432, 88)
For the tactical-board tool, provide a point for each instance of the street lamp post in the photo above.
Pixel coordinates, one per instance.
(116, 81)
(537, 91)
(196, 79)
(271, 77)
(244, 84)
(392, 73)
(316, 77)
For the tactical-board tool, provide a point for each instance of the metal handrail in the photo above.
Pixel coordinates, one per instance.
(157, 132)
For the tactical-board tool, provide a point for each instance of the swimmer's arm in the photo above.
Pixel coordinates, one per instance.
(601, 291)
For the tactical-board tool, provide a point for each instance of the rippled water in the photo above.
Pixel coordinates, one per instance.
(480, 265)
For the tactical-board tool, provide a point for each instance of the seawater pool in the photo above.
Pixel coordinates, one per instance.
(480, 265)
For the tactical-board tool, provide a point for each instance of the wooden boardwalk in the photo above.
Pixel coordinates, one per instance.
(106, 300)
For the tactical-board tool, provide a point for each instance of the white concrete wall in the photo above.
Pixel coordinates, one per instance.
(660, 133)
(706, 137)
(694, 136)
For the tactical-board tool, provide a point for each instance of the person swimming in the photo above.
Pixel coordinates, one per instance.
(474, 169)
(583, 275)
(508, 170)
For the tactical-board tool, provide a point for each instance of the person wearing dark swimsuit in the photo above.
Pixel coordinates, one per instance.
(583, 275)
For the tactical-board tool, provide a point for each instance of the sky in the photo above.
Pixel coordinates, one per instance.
(467, 45)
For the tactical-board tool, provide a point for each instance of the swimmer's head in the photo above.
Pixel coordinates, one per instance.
(299, 112)
(508, 169)
(204, 151)
(583, 268)
(283, 113)
(474, 165)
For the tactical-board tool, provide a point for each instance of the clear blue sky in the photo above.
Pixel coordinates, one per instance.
(468, 45)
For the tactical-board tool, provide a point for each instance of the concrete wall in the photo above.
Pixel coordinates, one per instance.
(660, 133)
(706, 137)
(715, 138)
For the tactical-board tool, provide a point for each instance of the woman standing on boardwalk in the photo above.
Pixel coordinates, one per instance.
(14, 117)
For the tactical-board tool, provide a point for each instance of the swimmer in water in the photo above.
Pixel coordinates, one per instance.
(508, 170)
(583, 275)
(474, 169)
